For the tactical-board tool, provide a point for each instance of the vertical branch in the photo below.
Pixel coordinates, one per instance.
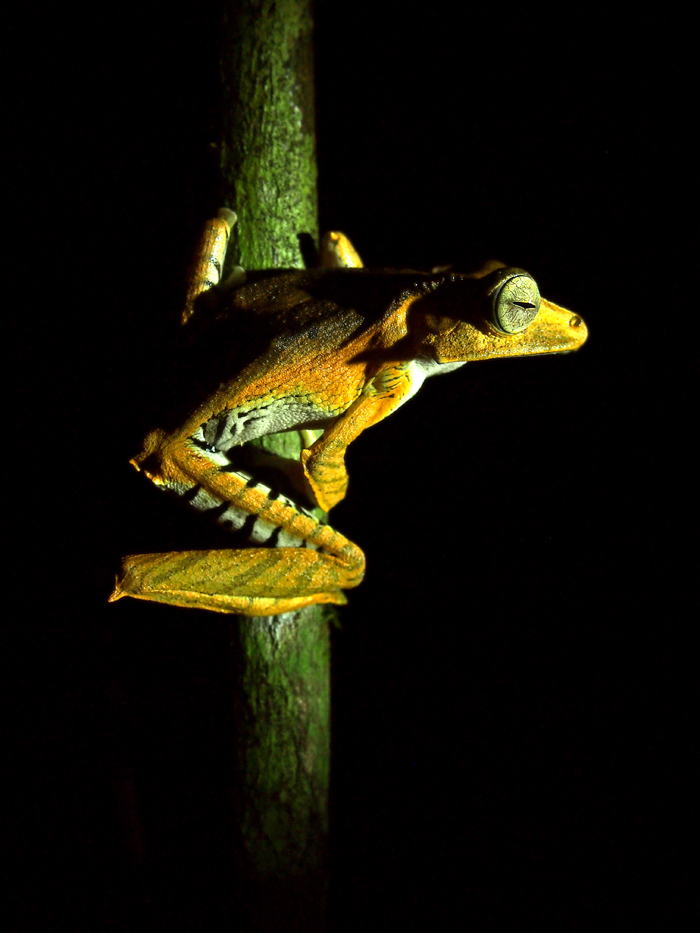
(268, 157)
(281, 663)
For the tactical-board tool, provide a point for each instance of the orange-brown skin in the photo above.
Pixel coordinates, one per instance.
(207, 266)
(342, 349)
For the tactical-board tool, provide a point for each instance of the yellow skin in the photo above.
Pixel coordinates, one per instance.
(326, 353)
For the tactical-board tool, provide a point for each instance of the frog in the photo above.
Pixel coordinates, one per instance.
(317, 355)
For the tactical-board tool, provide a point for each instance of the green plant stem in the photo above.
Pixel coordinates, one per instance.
(281, 663)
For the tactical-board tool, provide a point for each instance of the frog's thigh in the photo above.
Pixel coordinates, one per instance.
(254, 582)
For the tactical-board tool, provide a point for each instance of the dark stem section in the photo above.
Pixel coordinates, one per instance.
(282, 713)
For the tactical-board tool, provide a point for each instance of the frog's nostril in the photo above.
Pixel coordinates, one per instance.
(575, 321)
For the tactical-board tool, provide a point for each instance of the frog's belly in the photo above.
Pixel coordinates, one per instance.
(238, 425)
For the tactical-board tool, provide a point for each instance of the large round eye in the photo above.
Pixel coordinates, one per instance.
(515, 304)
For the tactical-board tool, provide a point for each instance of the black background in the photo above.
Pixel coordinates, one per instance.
(508, 683)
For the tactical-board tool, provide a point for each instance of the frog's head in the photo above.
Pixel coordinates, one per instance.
(500, 313)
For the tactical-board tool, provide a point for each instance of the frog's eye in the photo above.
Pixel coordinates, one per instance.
(515, 303)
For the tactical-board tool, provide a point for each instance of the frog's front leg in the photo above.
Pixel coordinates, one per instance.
(324, 461)
(337, 252)
(208, 262)
(252, 581)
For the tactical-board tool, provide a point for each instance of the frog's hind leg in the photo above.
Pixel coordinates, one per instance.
(318, 565)
(252, 582)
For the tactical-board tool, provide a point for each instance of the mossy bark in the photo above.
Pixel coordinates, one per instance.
(281, 663)
(268, 158)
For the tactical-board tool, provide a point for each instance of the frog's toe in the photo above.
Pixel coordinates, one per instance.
(236, 278)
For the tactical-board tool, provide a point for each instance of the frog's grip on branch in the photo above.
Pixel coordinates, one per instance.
(208, 262)
(337, 252)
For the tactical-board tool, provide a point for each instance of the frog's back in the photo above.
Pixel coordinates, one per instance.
(285, 303)
(281, 321)
(275, 344)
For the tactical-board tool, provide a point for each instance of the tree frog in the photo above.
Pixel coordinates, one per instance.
(324, 353)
